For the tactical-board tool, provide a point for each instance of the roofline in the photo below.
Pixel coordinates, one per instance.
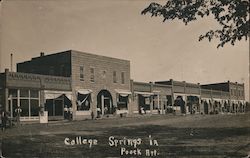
(99, 55)
(71, 50)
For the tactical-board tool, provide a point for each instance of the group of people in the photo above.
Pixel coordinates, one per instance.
(68, 112)
(5, 118)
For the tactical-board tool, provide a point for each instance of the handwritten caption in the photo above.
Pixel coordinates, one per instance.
(127, 146)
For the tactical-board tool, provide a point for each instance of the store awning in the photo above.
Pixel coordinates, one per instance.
(122, 92)
(144, 94)
(233, 101)
(52, 95)
(56, 94)
(84, 91)
(156, 92)
(242, 101)
(206, 99)
(218, 100)
(69, 96)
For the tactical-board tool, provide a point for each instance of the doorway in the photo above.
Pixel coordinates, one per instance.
(55, 108)
(105, 103)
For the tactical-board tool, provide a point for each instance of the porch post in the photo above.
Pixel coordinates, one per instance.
(6, 99)
(6, 91)
(162, 105)
(102, 102)
(151, 98)
(172, 93)
(42, 100)
(185, 96)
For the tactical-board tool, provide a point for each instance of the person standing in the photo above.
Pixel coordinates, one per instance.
(1, 152)
(4, 119)
(18, 111)
(1, 123)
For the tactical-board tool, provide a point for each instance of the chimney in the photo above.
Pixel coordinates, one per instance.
(41, 54)
(11, 62)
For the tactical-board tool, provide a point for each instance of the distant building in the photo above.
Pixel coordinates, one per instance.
(88, 85)
(185, 96)
(225, 96)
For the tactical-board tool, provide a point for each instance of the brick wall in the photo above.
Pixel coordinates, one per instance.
(34, 81)
(103, 74)
(57, 64)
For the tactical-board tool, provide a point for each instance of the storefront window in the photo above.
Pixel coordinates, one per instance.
(24, 93)
(179, 102)
(49, 106)
(34, 107)
(24, 105)
(28, 102)
(13, 92)
(83, 102)
(58, 107)
(34, 94)
(144, 102)
(122, 103)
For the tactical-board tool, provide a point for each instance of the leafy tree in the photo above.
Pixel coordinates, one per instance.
(232, 15)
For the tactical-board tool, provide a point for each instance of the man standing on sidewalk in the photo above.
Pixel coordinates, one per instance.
(1, 153)
(4, 119)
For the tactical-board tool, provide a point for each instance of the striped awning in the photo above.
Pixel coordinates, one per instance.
(144, 94)
(84, 91)
(123, 92)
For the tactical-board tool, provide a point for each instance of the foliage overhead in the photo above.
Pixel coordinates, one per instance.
(232, 15)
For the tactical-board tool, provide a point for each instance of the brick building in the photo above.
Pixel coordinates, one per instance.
(98, 83)
(96, 86)
(185, 96)
(224, 97)
(30, 92)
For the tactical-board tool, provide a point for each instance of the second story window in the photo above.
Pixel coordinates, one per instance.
(123, 77)
(104, 74)
(92, 74)
(81, 73)
(114, 77)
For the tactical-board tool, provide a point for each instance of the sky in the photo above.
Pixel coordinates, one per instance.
(157, 51)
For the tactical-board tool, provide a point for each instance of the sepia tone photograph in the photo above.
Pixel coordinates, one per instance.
(124, 78)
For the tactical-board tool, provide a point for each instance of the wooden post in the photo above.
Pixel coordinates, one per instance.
(151, 98)
(185, 96)
(172, 93)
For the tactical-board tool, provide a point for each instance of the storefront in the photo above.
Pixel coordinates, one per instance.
(144, 102)
(180, 103)
(123, 98)
(58, 104)
(25, 95)
(28, 100)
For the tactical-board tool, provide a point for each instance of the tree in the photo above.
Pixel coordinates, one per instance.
(232, 15)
